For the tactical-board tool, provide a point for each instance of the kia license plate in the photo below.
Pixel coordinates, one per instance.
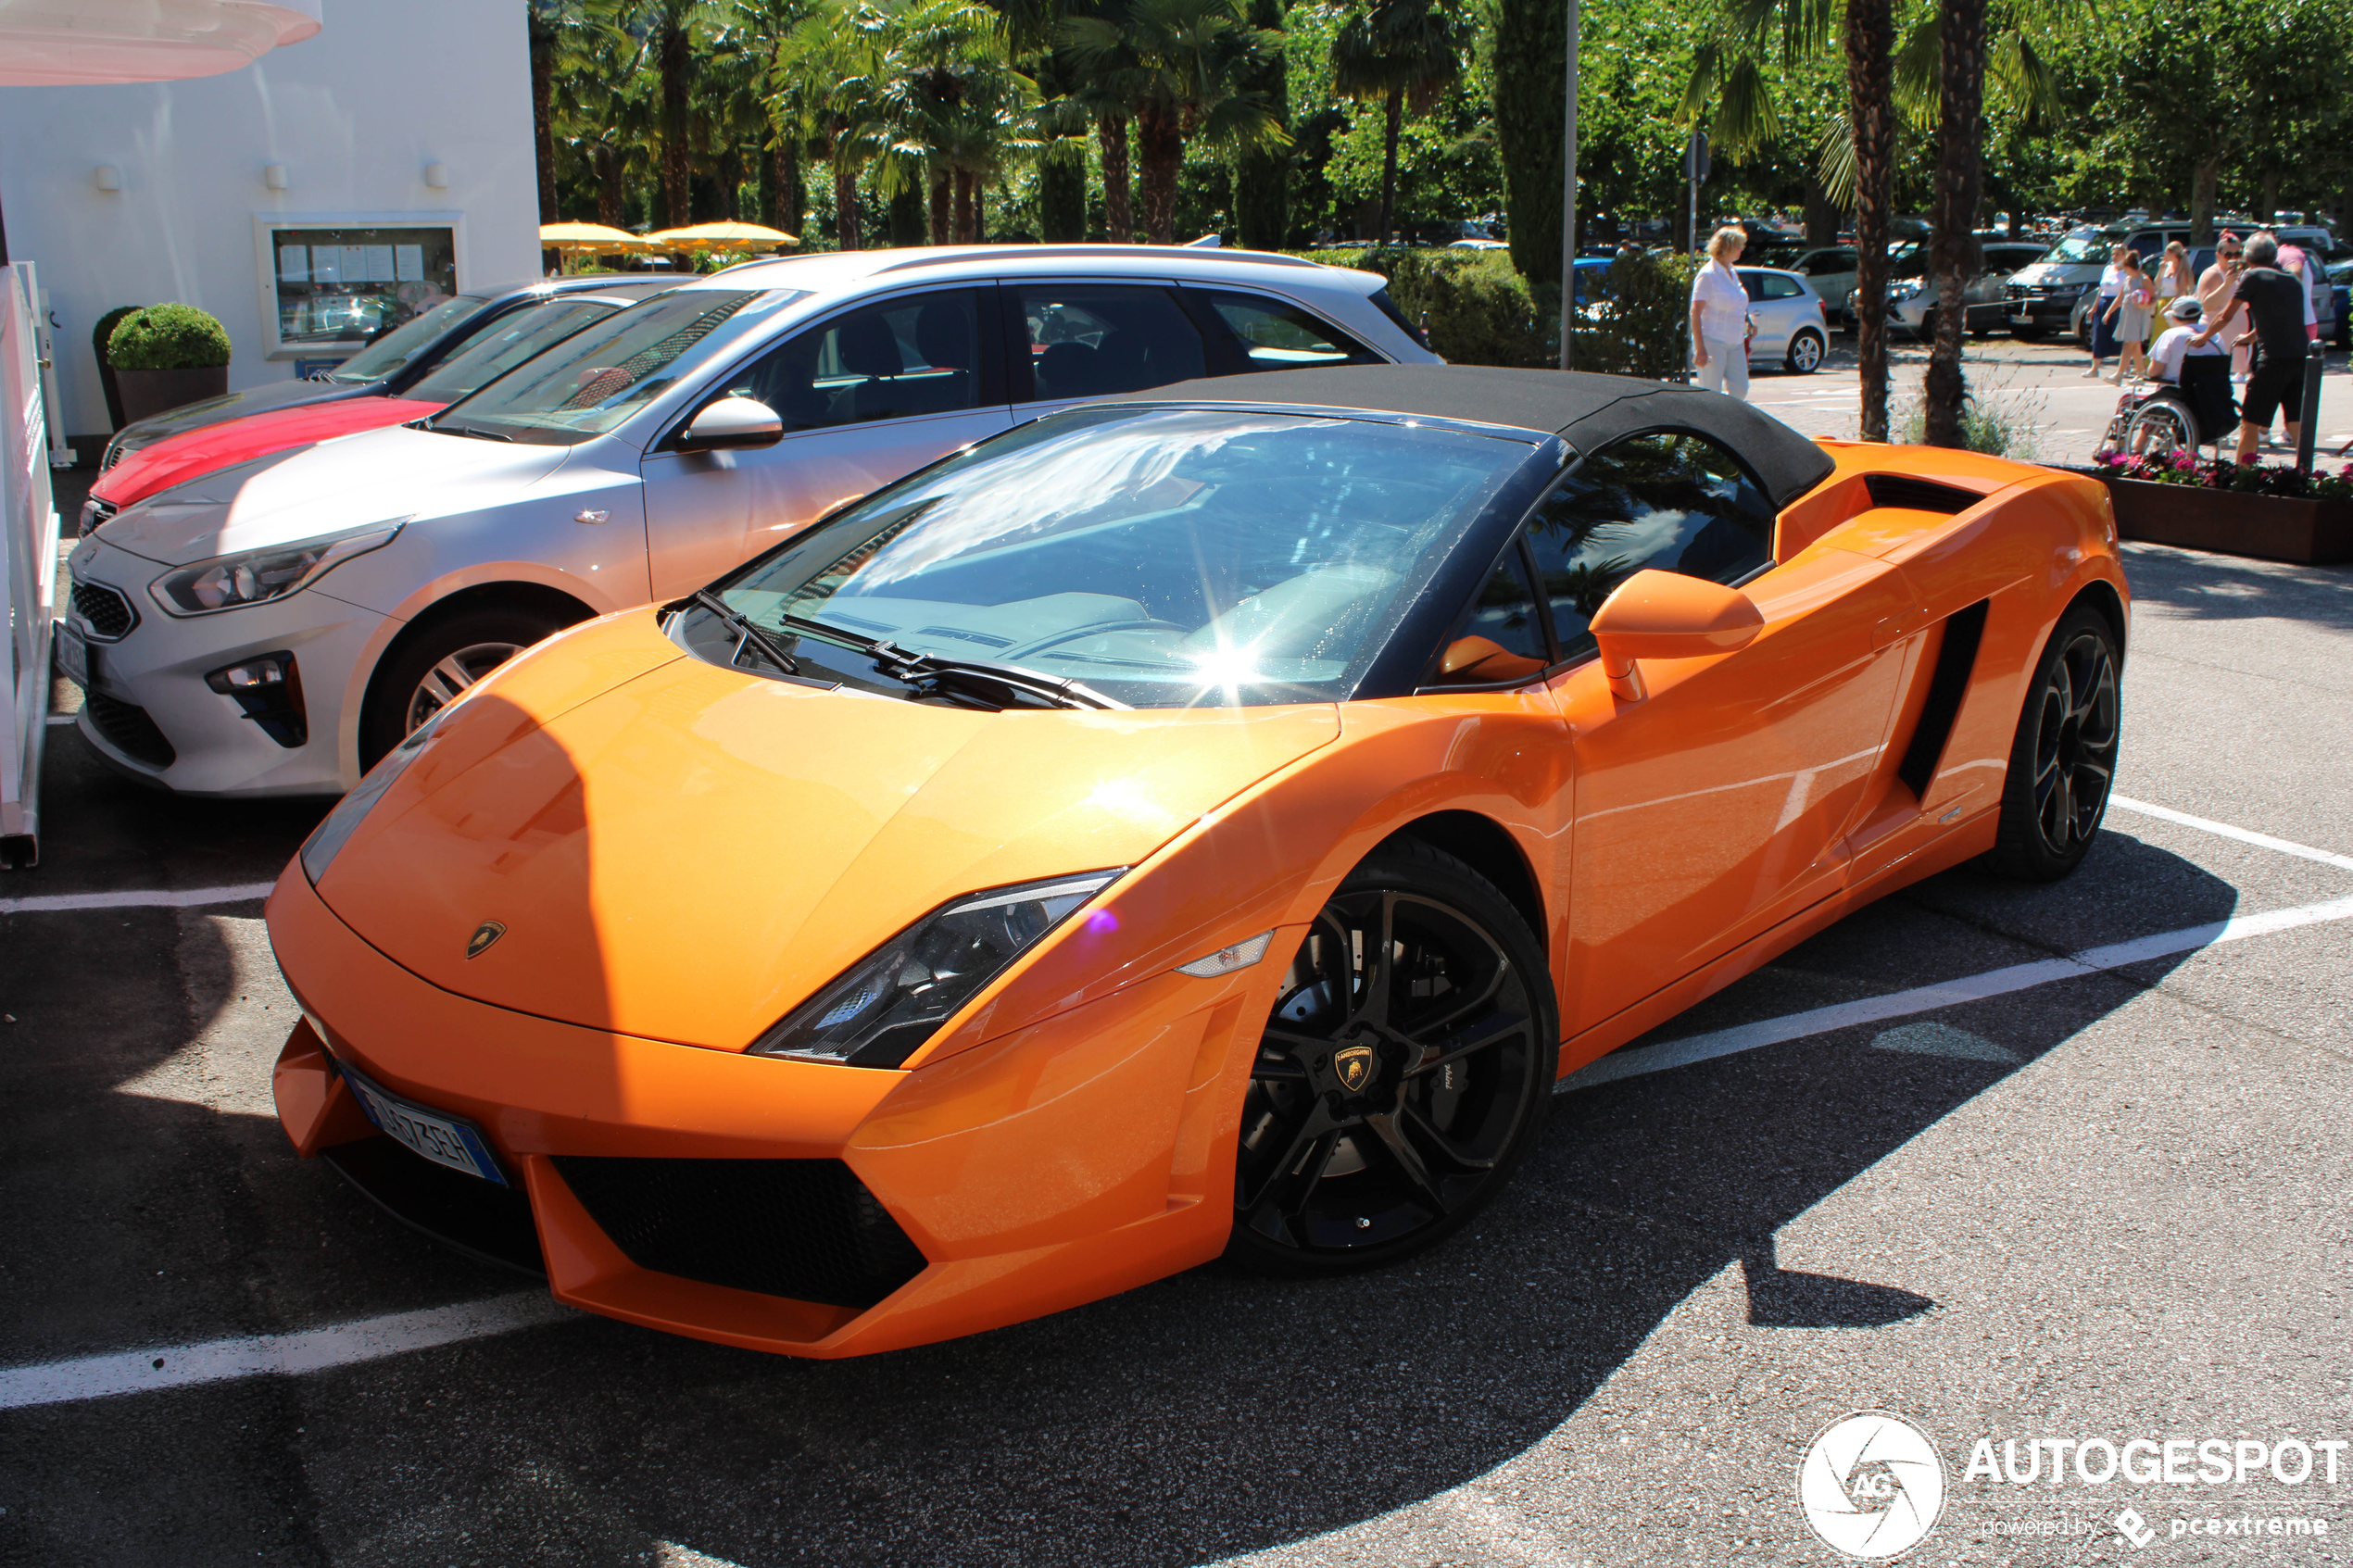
(73, 655)
(445, 1140)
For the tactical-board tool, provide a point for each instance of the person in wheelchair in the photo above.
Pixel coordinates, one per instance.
(2191, 405)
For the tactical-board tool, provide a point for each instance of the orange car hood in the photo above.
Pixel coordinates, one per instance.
(687, 855)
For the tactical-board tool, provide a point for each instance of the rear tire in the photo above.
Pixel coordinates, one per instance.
(2158, 429)
(2063, 757)
(1405, 1070)
(429, 671)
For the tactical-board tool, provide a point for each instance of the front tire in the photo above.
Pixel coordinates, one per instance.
(1405, 1070)
(436, 664)
(1805, 356)
(2063, 758)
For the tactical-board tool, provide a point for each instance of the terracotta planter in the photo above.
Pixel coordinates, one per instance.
(2266, 527)
(146, 393)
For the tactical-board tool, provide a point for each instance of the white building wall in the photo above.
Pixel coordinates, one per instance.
(355, 115)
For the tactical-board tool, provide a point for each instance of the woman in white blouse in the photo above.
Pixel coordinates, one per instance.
(1720, 327)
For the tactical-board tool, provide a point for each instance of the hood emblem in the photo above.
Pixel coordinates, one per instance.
(1354, 1065)
(489, 931)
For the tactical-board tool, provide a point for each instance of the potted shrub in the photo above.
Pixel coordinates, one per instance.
(98, 336)
(2270, 512)
(168, 355)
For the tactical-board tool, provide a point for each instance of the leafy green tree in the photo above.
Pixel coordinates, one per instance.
(1398, 53)
(1262, 172)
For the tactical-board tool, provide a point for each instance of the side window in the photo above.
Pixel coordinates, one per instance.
(1671, 501)
(1501, 638)
(1753, 283)
(1274, 335)
(1779, 287)
(890, 361)
(1090, 340)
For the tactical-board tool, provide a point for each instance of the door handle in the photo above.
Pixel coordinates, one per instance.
(595, 515)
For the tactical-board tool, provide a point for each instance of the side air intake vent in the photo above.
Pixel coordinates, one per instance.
(807, 1229)
(1917, 494)
(1955, 658)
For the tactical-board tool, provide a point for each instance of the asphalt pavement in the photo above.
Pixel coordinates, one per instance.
(1996, 1193)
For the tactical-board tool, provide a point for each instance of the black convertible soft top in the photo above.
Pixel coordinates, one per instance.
(1588, 411)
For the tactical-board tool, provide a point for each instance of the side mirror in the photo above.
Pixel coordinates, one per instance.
(1471, 662)
(1668, 615)
(732, 423)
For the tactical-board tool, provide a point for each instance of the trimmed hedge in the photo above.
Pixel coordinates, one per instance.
(169, 337)
(104, 331)
(1477, 310)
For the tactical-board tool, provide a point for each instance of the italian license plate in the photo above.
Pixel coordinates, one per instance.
(74, 657)
(445, 1140)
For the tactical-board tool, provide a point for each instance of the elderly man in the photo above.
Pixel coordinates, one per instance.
(2276, 302)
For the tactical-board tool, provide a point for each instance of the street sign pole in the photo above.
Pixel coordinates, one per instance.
(1568, 200)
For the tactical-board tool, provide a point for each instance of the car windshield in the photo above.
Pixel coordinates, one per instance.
(591, 380)
(1165, 558)
(399, 346)
(502, 345)
(2085, 244)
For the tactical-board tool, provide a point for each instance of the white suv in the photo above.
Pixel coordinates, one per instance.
(275, 628)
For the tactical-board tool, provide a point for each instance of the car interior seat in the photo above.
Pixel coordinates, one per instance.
(869, 348)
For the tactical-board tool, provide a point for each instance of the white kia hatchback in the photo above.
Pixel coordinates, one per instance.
(275, 628)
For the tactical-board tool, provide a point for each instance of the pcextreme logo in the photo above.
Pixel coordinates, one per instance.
(1871, 1485)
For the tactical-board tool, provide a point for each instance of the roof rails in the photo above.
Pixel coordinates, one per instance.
(966, 253)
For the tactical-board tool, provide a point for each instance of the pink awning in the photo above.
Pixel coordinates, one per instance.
(71, 42)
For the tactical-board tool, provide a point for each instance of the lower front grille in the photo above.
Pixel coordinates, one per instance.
(126, 727)
(106, 612)
(806, 1229)
(492, 1223)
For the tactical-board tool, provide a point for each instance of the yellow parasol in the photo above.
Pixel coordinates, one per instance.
(720, 236)
(593, 237)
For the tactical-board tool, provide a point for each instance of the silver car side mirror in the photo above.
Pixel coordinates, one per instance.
(730, 424)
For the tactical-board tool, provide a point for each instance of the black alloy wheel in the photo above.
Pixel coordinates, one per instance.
(2063, 760)
(1406, 1068)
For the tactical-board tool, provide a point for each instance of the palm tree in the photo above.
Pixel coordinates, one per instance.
(1179, 63)
(1398, 53)
(827, 81)
(948, 107)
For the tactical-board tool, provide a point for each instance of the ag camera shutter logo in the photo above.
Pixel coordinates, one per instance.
(1871, 1485)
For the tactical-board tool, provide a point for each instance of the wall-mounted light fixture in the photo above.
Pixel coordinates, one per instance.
(437, 176)
(274, 176)
(106, 177)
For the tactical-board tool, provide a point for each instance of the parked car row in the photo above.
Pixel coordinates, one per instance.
(547, 453)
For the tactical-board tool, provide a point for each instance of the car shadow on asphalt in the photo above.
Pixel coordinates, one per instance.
(1207, 1414)
(2212, 587)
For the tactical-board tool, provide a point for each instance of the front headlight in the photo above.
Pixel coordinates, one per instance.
(1901, 292)
(258, 576)
(328, 838)
(881, 1008)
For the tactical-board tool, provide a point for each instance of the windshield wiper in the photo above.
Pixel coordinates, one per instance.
(475, 431)
(745, 632)
(930, 669)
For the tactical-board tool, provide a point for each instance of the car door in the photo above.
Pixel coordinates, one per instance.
(865, 397)
(1075, 341)
(1711, 809)
(1830, 274)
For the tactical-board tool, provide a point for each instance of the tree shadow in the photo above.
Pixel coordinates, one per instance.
(2214, 587)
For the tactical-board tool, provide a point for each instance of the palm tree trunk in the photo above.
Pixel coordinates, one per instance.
(677, 86)
(845, 204)
(612, 195)
(963, 208)
(1388, 164)
(940, 187)
(1870, 91)
(1959, 138)
(1161, 155)
(1119, 218)
(543, 76)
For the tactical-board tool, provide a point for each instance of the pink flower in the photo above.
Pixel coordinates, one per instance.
(2184, 461)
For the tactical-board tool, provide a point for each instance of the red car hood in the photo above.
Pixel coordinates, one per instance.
(211, 448)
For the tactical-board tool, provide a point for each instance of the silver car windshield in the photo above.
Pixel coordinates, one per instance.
(600, 376)
(2088, 245)
(399, 346)
(1165, 558)
(504, 343)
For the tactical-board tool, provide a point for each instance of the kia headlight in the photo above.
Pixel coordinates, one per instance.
(1903, 291)
(328, 838)
(255, 577)
(879, 1010)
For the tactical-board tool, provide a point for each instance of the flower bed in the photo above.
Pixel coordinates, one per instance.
(2269, 512)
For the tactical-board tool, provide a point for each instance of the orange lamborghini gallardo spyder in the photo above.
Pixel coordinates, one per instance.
(1204, 824)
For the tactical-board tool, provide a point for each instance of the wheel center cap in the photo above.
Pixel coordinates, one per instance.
(1354, 1066)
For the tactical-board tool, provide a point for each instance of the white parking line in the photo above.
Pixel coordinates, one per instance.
(1951, 993)
(176, 1366)
(2224, 830)
(145, 899)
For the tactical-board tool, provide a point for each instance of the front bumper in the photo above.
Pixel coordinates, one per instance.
(150, 713)
(2045, 312)
(1079, 1157)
